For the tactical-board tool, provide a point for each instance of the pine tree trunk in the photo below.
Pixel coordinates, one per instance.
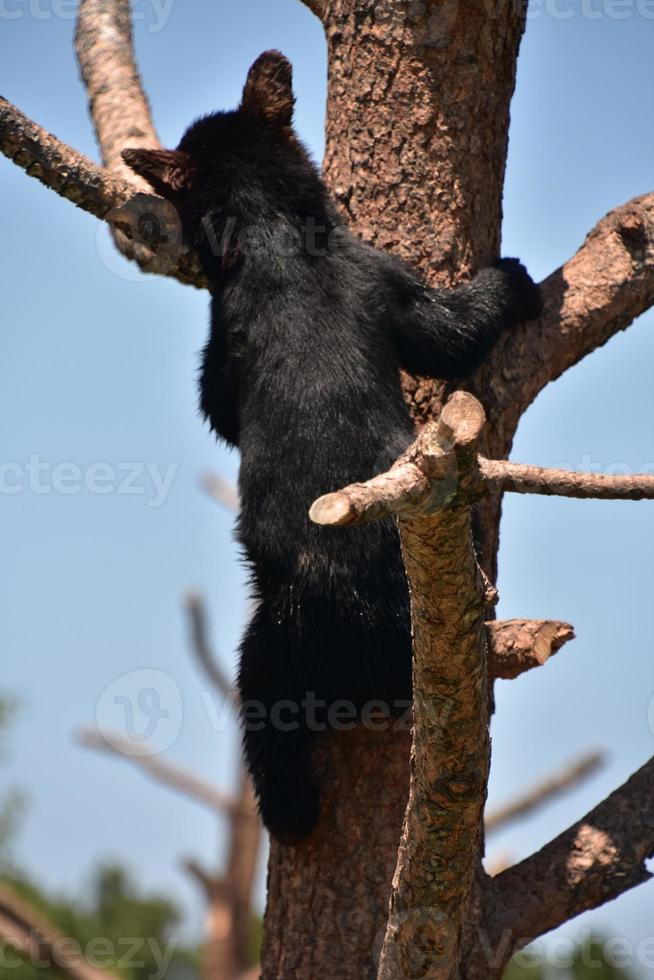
(418, 114)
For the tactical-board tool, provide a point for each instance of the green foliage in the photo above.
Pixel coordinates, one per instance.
(12, 803)
(117, 929)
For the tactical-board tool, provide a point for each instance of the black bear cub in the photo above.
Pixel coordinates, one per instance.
(309, 327)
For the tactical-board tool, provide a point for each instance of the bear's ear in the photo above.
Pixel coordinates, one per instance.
(168, 171)
(268, 92)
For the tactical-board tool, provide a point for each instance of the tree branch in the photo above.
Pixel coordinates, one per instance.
(223, 491)
(598, 292)
(26, 931)
(410, 489)
(545, 791)
(210, 884)
(450, 758)
(594, 861)
(423, 481)
(58, 166)
(117, 102)
(202, 648)
(227, 952)
(147, 227)
(499, 475)
(518, 645)
(163, 772)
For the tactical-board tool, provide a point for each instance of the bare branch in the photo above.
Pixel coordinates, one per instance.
(118, 105)
(76, 178)
(440, 842)
(163, 772)
(222, 490)
(201, 646)
(594, 861)
(423, 480)
(518, 645)
(400, 490)
(58, 166)
(545, 791)
(500, 475)
(27, 931)
(227, 952)
(598, 292)
(209, 883)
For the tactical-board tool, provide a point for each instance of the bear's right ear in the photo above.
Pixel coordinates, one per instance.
(167, 171)
(268, 93)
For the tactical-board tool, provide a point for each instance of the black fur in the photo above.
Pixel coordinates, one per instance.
(309, 327)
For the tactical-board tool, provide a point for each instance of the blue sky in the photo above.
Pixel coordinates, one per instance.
(98, 367)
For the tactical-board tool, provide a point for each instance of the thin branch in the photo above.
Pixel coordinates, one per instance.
(425, 480)
(518, 645)
(202, 649)
(58, 166)
(594, 861)
(147, 228)
(543, 792)
(227, 951)
(223, 491)
(163, 772)
(44, 946)
(117, 102)
(500, 475)
(210, 884)
(409, 489)
(440, 843)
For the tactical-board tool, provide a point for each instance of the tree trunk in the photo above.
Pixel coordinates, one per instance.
(417, 134)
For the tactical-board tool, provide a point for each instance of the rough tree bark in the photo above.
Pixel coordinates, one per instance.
(417, 135)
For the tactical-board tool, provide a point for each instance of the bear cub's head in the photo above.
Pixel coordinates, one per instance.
(243, 165)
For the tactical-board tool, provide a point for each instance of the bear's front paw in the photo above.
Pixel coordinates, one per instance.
(526, 299)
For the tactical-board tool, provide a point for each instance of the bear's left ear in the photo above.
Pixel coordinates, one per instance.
(168, 171)
(268, 92)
